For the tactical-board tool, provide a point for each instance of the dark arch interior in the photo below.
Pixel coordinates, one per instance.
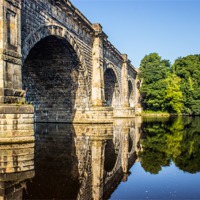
(56, 163)
(110, 86)
(130, 93)
(130, 143)
(53, 81)
(110, 156)
(130, 89)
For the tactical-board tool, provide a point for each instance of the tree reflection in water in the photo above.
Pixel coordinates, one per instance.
(176, 139)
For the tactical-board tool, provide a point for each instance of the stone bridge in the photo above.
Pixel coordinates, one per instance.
(57, 66)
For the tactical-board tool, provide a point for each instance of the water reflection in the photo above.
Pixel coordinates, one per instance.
(83, 161)
(177, 140)
(16, 167)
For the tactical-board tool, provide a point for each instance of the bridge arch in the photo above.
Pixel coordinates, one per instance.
(131, 92)
(54, 74)
(50, 30)
(112, 85)
(114, 161)
(110, 156)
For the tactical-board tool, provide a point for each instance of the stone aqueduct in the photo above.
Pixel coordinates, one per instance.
(62, 64)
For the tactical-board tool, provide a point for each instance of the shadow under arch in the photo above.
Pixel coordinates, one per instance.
(54, 76)
(112, 89)
(130, 143)
(112, 159)
(110, 156)
(131, 93)
(56, 163)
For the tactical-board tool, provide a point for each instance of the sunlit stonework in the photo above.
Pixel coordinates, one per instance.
(56, 66)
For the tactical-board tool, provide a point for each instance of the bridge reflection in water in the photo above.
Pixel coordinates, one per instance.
(69, 161)
(16, 167)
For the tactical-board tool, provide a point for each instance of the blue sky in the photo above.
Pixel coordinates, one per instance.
(139, 27)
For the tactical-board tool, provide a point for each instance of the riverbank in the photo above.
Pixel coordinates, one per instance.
(154, 114)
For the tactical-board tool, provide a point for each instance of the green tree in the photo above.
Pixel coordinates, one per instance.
(173, 94)
(188, 69)
(153, 72)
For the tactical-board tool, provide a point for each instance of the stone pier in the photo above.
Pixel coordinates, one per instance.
(17, 166)
(16, 124)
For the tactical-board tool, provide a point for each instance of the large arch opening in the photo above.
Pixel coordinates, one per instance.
(110, 156)
(131, 94)
(111, 88)
(55, 163)
(53, 81)
(130, 143)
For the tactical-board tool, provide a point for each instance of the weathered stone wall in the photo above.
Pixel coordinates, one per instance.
(10, 51)
(68, 17)
(16, 158)
(16, 166)
(43, 13)
(25, 25)
(16, 124)
(113, 56)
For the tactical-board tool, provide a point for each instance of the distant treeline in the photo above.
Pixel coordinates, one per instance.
(170, 88)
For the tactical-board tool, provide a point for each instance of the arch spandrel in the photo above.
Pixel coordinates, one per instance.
(50, 30)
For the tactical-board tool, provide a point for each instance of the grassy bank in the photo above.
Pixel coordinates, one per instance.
(156, 114)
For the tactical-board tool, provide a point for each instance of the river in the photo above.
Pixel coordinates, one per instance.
(149, 158)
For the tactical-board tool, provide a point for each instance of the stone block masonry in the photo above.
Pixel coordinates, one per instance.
(16, 124)
(54, 59)
(16, 167)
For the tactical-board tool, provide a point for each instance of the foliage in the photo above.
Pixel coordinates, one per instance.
(174, 90)
(153, 72)
(176, 139)
(188, 69)
(173, 94)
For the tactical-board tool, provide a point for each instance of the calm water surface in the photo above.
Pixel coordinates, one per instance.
(129, 159)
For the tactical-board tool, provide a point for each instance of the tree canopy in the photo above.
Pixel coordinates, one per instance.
(153, 72)
(188, 69)
(174, 89)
